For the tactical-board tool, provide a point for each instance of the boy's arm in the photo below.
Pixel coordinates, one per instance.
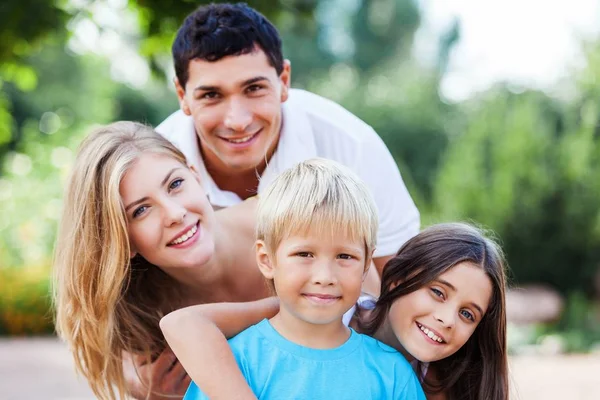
(194, 336)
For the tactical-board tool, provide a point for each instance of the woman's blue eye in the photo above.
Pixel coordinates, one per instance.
(138, 211)
(467, 315)
(175, 184)
(437, 292)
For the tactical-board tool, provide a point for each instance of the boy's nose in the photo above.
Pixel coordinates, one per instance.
(323, 274)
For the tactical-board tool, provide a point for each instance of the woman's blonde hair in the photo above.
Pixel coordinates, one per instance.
(105, 302)
(317, 193)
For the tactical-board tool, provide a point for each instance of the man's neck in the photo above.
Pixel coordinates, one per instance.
(314, 336)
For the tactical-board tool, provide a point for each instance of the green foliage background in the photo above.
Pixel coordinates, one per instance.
(524, 164)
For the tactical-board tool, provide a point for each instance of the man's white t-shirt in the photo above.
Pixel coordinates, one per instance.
(316, 127)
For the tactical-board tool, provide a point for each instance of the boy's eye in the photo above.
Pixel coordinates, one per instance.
(345, 256)
(175, 184)
(467, 315)
(437, 293)
(138, 211)
(303, 254)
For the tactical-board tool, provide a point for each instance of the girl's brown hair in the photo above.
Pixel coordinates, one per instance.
(479, 370)
(105, 302)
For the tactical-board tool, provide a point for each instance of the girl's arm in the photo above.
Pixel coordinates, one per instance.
(197, 336)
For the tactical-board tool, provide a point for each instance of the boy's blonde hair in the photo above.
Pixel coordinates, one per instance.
(105, 302)
(317, 193)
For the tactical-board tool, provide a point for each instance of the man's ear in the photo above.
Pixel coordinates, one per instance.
(181, 97)
(285, 78)
(263, 259)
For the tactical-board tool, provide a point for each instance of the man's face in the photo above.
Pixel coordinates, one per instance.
(236, 106)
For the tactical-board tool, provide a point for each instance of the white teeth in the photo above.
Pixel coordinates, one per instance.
(185, 236)
(242, 140)
(431, 334)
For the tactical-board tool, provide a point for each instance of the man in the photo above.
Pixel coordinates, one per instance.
(240, 124)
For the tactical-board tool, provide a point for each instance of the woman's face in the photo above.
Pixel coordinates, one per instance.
(169, 219)
(436, 320)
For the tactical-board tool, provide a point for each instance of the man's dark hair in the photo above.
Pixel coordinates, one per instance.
(215, 31)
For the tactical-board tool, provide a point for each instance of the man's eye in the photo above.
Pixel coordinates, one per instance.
(254, 88)
(209, 95)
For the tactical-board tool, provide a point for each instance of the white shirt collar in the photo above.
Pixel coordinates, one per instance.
(296, 144)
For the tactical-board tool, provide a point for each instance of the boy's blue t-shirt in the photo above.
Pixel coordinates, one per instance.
(362, 369)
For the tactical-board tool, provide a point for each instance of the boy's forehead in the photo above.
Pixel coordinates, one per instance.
(325, 234)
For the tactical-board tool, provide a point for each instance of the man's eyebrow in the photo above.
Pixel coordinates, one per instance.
(206, 88)
(254, 80)
(247, 82)
(161, 184)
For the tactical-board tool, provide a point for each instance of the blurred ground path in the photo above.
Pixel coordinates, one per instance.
(39, 368)
(42, 368)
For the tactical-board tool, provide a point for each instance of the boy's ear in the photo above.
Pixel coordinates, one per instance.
(263, 259)
(368, 264)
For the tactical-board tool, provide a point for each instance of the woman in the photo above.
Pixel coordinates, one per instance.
(138, 238)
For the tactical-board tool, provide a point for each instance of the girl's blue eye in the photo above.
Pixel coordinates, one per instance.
(467, 315)
(437, 292)
(138, 211)
(175, 184)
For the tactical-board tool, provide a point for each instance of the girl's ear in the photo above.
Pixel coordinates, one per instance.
(263, 259)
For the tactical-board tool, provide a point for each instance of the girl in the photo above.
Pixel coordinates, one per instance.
(138, 239)
(441, 305)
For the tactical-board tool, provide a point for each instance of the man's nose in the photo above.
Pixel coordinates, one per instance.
(238, 116)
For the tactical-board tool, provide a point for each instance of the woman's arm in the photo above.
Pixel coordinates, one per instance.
(197, 334)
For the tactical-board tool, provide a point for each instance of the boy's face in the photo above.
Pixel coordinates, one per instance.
(235, 103)
(317, 277)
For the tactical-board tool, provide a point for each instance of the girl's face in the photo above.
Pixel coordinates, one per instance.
(436, 320)
(169, 219)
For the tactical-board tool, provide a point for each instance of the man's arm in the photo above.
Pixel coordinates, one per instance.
(197, 336)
